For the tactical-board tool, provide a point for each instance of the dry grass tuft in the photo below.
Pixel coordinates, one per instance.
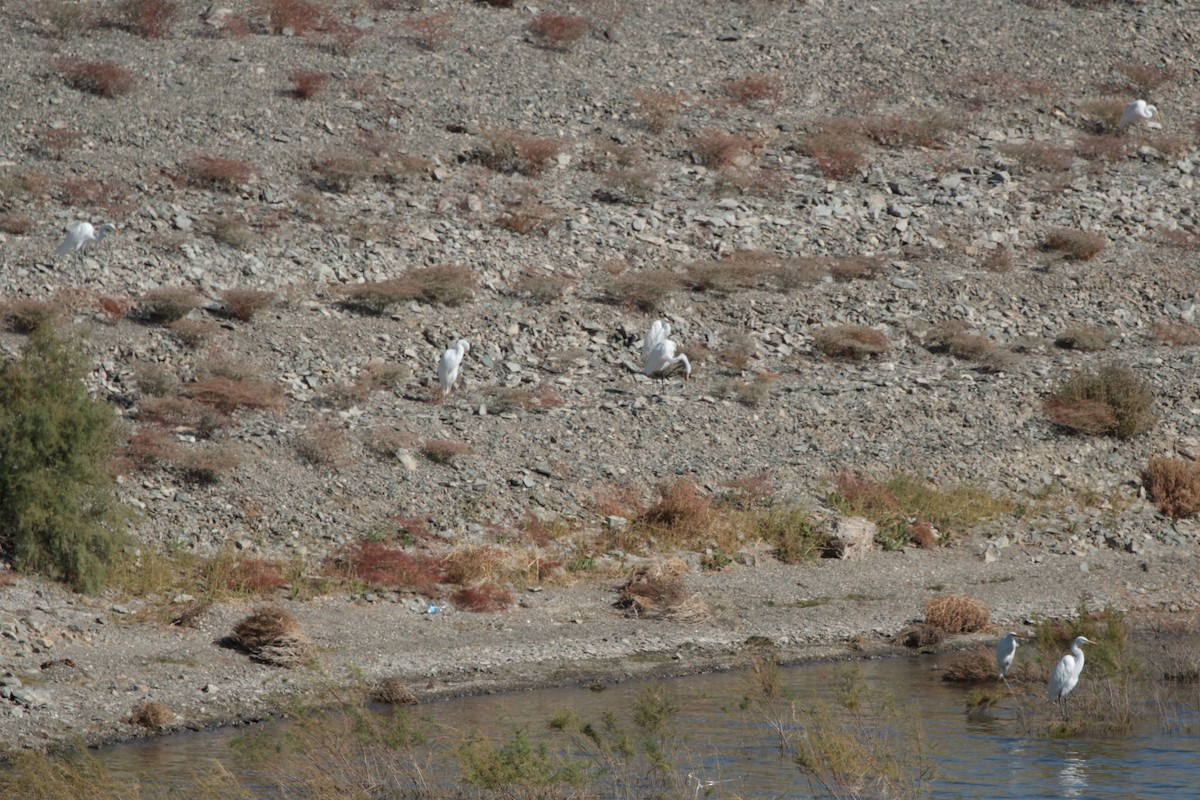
(1176, 334)
(379, 565)
(508, 151)
(680, 507)
(503, 399)
(215, 172)
(101, 78)
(558, 31)
(720, 150)
(168, 304)
(1040, 156)
(15, 223)
(307, 84)
(645, 290)
(930, 129)
(1145, 78)
(971, 666)
(755, 89)
(441, 285)
(471, 564)
(956, 613)
(444, 451)
(658, 109)
(432, 31)
(295, 16)
(659, 592)
(243, 304)
(1075, 245)
(394, 692)
(151, 714)
(919, 637)
(150, 19)
(28, 315)
(273, 636)
(228, 395)
(482, 598)
(1174, 485)
(850, 342)
(1085, 338)
(324, 445)
(1109, 401)
(193, 333)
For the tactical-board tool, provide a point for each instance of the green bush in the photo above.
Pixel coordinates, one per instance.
(58, 513)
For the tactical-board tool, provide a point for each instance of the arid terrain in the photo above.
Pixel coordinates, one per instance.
(883, 233)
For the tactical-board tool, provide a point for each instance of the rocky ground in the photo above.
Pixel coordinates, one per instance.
(952, 226)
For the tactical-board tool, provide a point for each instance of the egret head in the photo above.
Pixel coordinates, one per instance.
(464, 345)
(1083, 640)
(1150, 111)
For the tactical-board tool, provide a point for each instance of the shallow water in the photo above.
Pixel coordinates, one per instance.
(981, 756)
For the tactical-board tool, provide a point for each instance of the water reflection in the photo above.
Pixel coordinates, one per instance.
(729, 753)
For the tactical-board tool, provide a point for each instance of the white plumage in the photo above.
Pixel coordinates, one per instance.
(80, 235)
(1066, 674)
(1135, 112)
(1006, 650)
(658, 352)
(449, 363)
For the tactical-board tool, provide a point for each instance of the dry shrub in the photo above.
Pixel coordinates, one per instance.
(114, 309)
(215, 172)
(719, 150)
(193, 333)
(1173, 145)
(432, 30)
(323, 445)
(230, 231)
(101, 78)
(508, 151)
(1178, 334)
(755, 89)
(742, 269)
(389, 443)
(243, 304)
(67, 18)
(54, 142)
(26, 316)
(927, 130)
(1102, 116)
(378, 565)
(482, 598)
(444, 451)
(294, 16)
(528, 216)
(81, 192)
(658, 109)
(502, 399)
(228, 575)
(856, 268)
(471, 564)
(558, 31)
(751, 393)
(919, 637)
(850, 342)
(341, 171)
(445, 285)
(151, 714)
(1085, 338)
(835, 157)
(15, 223)
(150, 19)
(148, 448)
(1174, 485)
(749, 491)
(659, 592)
(632, 186)
(1109, 401)
(1040, 156)
(168, 304)
(680, 507)
(393, 692)
(272, 636)
(956, 613)
(644, 290)
(998, 259)
(1075, 245)
(183, 413)
(1145, 78)
(307, 84)
(1181, 239)
(227, 395)
(544, 288)
(981, 351)
(207, 465)
(1102, 147)
(971, 666)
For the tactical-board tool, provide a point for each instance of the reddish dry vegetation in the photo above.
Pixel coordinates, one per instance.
(558, 31)
(956, 613)
(1174, 485)
(255, 576)
(1110, 401)
(296, 16)
(151, 19)
(432, 30)
(658, 109)
(101, 78)
(379, 565)
(228, 395)
(114, 309)
(53, 142)
(755, 89)
(15, 224)
(1075, 245)
(853, 342)
(307, 84)
(443, 451)
(215, 172)
(719, 150)
(482, 597)
(243, 304)
(1179, 334)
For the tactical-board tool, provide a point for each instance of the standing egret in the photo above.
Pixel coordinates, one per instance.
(1005, 650)
(1066, 674)
(658, 352)
(80, 235)
(448, 366)
(1135, 112)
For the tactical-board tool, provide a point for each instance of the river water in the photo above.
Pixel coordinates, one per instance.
(989, 755)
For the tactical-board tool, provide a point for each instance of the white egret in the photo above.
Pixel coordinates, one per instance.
(703, 783)
(1066, 674)
(658, 352)
(448, 366)
(1135, 112)
(1006, 649)
(80, 235)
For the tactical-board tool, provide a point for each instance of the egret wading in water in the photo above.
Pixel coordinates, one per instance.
(448, 366)
(1136, 112)
(1066, 674)
(1006, 649)
(80, 235)
(658, 352)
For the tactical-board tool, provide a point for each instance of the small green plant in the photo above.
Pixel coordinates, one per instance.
(792, 531)
(58, 513)
(1109, 401)
(518, 768)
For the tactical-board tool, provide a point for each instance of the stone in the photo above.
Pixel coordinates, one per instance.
(851, 538)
